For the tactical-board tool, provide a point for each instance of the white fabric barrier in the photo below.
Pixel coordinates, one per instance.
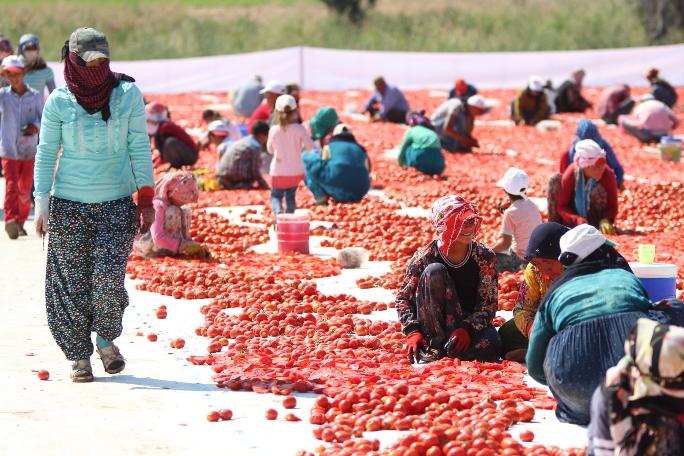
(334, 69)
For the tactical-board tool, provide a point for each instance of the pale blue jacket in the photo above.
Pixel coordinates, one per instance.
(100, 161)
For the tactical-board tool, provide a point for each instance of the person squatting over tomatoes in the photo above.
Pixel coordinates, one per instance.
(639, 409)
(87, 199)
(340, 170)
(584, 319)
(176, 147)
(542, 270)
(421, 147)
(586, 129)
(586, 192)
(449, 295)
(170, 232)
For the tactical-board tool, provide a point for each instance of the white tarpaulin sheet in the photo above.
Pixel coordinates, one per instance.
(334, 69)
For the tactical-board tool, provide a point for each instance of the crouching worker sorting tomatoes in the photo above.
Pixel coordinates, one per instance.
(449, 295)
(170, 232)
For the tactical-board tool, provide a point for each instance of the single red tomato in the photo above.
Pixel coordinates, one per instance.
(43, 374)
(290, 402)
(527, 436)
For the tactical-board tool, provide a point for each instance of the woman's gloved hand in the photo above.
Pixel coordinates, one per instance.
(144, 212)
(606, 227)
(458, 342)
(414, 341)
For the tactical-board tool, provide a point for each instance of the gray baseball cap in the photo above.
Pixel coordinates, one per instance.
(89, 44)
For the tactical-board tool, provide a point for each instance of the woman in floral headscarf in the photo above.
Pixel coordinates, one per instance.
(170, 232)
(449, 295)
(640, 408)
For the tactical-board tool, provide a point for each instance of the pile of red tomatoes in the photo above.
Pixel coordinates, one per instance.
(289, 337)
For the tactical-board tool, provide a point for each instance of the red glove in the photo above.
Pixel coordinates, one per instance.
(30, 130)
(459, 342)
(414, 341)
(144, 212)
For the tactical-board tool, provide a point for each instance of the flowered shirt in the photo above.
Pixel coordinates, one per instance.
(483, 310)
(532, 290)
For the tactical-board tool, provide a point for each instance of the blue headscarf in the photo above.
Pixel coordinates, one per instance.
(586, 129)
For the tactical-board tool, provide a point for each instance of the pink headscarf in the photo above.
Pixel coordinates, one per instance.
(181, 185)
(448, 214)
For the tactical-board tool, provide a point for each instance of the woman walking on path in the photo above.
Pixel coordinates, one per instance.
(39, 75)
(98, 120)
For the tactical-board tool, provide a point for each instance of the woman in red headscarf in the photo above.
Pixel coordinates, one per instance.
(449, 295)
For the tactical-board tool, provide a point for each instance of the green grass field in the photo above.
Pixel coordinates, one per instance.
(180, 28)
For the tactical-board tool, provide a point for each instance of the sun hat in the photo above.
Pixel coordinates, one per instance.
(13, 64)
(545, 241)
(535, 84)
(89, 44)
(219, 128)
(478, 101)
(273, 86)
(514, 181)
(26, 40)
(285, 102)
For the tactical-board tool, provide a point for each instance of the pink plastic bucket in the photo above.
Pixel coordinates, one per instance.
(293, 233)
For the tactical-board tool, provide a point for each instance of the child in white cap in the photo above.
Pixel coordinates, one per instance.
(520, 218)
(286, 142)
(21, 108)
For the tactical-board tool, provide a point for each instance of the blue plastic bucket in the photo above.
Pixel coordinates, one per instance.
(659, 279)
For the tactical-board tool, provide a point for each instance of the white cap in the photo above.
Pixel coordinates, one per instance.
(341, 128)
(285, 101)
(587, 153)
(514, 181)
(535, 84)
(12, 62)
(582, 240)
(273, 86)
(478, 101)
(219, 127)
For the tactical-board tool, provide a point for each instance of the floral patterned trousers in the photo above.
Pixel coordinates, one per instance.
(440, 312)
(88, 250)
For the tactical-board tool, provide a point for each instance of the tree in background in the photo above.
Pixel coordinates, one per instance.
(354, 10)
(659, 16)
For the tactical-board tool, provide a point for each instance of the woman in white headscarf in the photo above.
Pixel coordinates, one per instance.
(586, 192)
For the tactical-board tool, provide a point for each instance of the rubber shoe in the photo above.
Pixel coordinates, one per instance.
(81, 371)
(12, 229)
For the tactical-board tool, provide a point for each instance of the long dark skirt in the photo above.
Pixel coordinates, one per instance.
(88, 250)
